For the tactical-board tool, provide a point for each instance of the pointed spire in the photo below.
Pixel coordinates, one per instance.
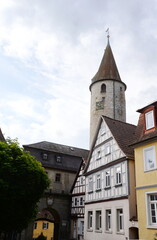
(108, 68)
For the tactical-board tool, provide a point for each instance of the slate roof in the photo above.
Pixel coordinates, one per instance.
(1, 136)
(59, 148)
(108, 68)
(124, 134)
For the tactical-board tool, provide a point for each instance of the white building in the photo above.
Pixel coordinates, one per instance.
(110, 203)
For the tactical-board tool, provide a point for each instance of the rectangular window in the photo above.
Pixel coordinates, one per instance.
(152, 209)
(35, 225)
(58, 177)
(107, 149)
(75, 201)
(81, 180)
(107, 178)
(108, 220)
(149, 118)
(45, 156)
(58, 159)
(120, 220)
(98, 182)
(45, 225)
(90, 184)
(118, 175)
(90, 220)
(98, 220)
(98, 155)
(149, 158)
(81, 201)
(103, 130)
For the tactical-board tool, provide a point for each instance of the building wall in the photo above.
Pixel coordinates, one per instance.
(112, 103)
(65, 183)
(103, 234)
(146, 183)
(46, 232)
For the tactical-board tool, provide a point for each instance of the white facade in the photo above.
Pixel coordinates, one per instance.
(107, 210)
(112, 232)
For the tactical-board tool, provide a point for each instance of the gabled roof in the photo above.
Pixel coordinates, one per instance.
(124, 134)
(108, 68)
(140, 134)
(1, 136)
(59, 148)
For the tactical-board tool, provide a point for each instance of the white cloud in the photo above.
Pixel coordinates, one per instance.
(54, 53)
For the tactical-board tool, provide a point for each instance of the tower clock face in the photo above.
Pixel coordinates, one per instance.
(99, 105)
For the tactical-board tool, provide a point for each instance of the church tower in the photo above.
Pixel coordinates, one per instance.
(107, 92)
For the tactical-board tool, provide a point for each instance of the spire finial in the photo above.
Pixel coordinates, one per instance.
(108, 34)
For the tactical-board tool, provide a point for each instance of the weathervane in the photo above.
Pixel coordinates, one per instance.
(108, 34)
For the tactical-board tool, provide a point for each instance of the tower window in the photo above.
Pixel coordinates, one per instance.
(103, 87)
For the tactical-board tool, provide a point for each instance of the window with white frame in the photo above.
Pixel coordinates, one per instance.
(108, 220)
(81, 201)
(98, 182)
(81, 180)
(98, 220)
(103, 130)
(75, 201)
(90, 186)
(149, 118)
(107, 178)
(98, 155)
(45, 225)
(118, 175)
(120, 220)
(90, 220)
(152, 209)
(149, 158)
(107, 149)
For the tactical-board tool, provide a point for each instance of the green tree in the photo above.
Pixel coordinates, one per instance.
(22, 183)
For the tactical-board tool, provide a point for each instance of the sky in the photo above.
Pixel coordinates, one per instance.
(51, 49)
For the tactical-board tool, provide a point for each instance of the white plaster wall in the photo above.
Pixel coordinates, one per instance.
(113, 205)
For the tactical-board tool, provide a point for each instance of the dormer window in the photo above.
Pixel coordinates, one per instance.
(58, 159)
(149, 119)
(45, 156)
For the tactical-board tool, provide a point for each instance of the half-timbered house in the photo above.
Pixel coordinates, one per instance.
(110, 201)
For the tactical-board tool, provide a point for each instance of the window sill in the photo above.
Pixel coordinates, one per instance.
(149, 170)
(109, 232)
(108, 187)
(107, 154)
(90, 192)
(120, 233)
(98, 231)
(152, 226)
(118, 185)
(98, 190)
(89, 230)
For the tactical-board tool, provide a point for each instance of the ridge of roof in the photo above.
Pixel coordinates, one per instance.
(59, 148)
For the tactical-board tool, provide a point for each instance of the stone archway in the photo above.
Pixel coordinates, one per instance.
(56, 222)
(51, 215)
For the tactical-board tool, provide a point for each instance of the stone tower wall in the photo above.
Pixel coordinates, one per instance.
(110, 103)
